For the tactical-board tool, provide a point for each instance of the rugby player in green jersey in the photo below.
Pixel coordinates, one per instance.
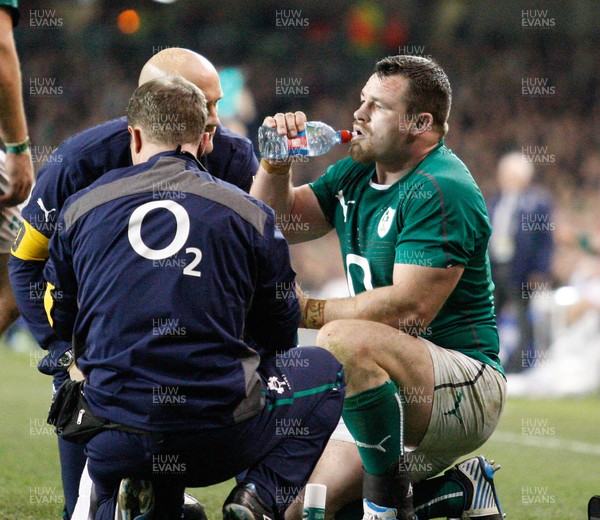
(417, 336)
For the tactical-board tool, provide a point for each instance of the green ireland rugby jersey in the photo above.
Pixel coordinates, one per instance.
(434, 216)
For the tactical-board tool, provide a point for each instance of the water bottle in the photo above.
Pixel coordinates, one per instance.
(314, 502)
(317, 139)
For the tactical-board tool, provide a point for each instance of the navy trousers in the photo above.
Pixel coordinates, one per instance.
(277, 449)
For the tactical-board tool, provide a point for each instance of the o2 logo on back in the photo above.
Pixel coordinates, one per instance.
(182, 232)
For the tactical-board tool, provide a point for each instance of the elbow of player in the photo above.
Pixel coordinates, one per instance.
(416, 321)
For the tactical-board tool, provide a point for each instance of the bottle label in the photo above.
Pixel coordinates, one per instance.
(313, 513)
(298, 145)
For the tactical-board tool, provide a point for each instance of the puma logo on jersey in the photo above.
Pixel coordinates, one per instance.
(47, 212)
(386, 222)
(343, 203)
(377, 447)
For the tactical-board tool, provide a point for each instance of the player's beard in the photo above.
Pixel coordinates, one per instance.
(362, 152)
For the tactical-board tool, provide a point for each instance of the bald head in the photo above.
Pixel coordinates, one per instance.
(189, 64)
(515, 172)
(197, 70)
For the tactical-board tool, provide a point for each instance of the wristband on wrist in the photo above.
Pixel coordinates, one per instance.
(313, 314)
(19, 148)
(275, 169)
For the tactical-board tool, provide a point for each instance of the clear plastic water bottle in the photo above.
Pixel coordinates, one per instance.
(317, 139)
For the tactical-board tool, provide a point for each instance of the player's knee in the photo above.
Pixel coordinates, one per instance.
(345, 342)
(331, 337)
(336, 331)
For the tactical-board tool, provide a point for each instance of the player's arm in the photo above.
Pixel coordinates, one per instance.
(411, 303)
(30, 252)
(13, 126)
(60, 299)
(28, 285)
(28, 256)
(273, 185)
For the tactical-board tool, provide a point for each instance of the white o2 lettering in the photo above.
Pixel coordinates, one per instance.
(135, 229)
(182, 232)
(363, 263)
(189, 269)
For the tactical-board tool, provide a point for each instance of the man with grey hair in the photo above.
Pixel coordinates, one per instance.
(169, 283)
(170, 111)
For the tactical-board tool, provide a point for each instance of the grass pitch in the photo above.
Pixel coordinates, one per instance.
(549, 451)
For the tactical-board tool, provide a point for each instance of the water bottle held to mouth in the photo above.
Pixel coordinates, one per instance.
(317, 139)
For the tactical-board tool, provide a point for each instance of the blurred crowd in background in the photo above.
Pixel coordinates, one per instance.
(524, 79)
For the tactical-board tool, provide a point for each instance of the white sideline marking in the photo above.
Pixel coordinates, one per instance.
(550, 443)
